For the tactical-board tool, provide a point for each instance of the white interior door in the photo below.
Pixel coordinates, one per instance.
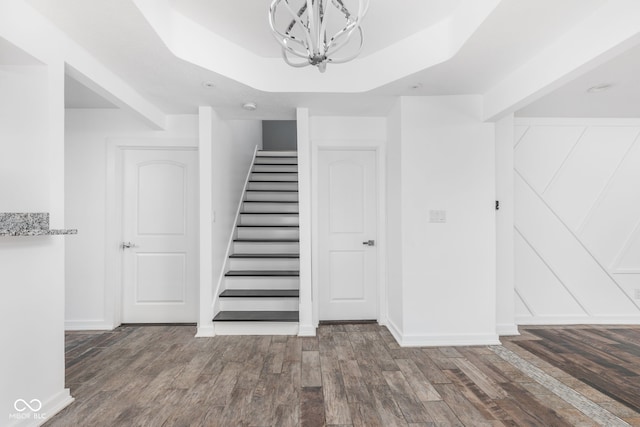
(347, 226)
(160, 282)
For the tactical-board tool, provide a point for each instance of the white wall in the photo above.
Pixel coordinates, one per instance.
(87, 133)
(394, 219)
(233, 145)
(505, 275)
(32, 268)
(448, 269)
(577, 220)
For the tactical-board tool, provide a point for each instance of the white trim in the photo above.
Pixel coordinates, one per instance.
(205, 220)
(223, 270)
(395, 331)
(575, 121)
(256, 328)
(307, 331)
(50, 407)
(308, 317)
(507, 329)
(378, 147)
(442, 340)
(113, 226)
(579, 320)
(205, 331)
(88, 325)
(626, 271)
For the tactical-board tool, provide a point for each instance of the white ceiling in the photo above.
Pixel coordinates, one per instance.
(11, 55)
(245, 23)
(118, 35)
(622, 99)
(77, 95)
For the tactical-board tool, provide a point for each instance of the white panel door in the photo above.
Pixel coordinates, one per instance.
(160, 282)
(347, 206)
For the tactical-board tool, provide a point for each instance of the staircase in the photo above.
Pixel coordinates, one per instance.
(261, 286)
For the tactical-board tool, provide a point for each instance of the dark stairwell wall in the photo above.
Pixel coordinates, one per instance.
(279, 135)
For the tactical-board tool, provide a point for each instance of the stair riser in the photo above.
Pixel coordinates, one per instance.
(276, 153)
(256, 328)
(266, 248)
(268, 233)
(274, 177)
(277, 160)
(270, 207)
(275, 219)
(262, 282)
(271, 196)
(275, 168)
(263, 264)
(273, 186)
(259, 304)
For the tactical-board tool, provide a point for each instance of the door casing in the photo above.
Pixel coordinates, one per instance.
(114, 206)
(367, 145)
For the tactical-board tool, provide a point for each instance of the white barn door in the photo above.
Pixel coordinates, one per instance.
(160, 283)
(347, 228)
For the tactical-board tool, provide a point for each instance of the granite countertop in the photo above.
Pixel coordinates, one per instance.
(28, 224)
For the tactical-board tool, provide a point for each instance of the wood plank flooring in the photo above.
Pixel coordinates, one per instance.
(606, 359)
(349, 375)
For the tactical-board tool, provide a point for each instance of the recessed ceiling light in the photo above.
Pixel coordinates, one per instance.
(600, 88)
(208, 85)
(249, 106)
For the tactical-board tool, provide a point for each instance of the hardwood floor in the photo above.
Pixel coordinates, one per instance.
(606, 359)
(350, 375)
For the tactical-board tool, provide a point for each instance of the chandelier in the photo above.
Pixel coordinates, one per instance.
(315, 30)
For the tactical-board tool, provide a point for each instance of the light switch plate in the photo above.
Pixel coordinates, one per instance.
(437, 216)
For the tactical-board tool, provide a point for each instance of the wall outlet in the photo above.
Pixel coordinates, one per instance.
(636, 293)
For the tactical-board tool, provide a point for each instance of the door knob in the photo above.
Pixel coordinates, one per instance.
(369, 243)
(128, 245)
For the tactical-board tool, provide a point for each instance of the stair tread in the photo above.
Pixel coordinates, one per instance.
(264, 256)
(269, 213)
(257, 316)
(267, 240)
(274, 153)
(274, 172)
(270, 201)
(260, 293)
(271, 191)
(270, 273)
(266, 226)
(272, 181)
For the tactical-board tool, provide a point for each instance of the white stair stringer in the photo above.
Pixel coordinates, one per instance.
(260, 292)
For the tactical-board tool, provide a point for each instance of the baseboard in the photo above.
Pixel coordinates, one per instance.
(507, 329)
(395, 331)
(306, 331)
(88, 325)
(579, 320)
(49, 408)
(205, 331)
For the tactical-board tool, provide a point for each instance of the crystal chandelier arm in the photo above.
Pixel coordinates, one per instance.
(341, 39)
(294, 64)
(283, 37)
(348, 58)
(334, 44)
(313, 18)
